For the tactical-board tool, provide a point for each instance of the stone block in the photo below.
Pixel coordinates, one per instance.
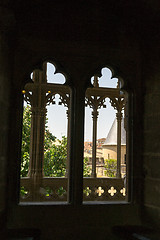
(152, 192)
(151, 141)
(151, 216)
(151, 161)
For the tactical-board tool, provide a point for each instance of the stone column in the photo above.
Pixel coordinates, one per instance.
(77, 137)
(94, 147)
(68, 142)
(38, 117)
(119, 120)
(37, 150)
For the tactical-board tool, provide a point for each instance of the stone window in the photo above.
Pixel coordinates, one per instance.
(45, 158)
(106, 105)
(45, 163)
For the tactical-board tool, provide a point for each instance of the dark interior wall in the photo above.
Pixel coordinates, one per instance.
(81, 61)
(5, 80)
(5, 91)
(151, 155)
(82, 41)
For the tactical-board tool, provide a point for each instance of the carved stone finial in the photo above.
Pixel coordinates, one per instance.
(95, 82)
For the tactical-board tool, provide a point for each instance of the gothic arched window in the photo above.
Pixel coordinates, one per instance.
(45, 142)
(45, 137)
(105, 139)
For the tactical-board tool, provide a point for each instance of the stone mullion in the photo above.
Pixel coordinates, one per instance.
(32, 145)
(94, 147)
(119, 119)
(68, 141)
(94, 140)
(40, 144)
(77, 134)
(37, 140)
(38, 116)
(127, 162)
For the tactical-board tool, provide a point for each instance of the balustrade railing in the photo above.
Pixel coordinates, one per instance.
(55, 189)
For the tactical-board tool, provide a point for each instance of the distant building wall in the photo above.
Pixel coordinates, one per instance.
(110, 152)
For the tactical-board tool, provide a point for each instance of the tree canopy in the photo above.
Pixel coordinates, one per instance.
(110, 167)
(55, 150)
(25, 148)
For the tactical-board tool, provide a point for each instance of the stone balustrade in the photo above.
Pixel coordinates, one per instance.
(55, 189)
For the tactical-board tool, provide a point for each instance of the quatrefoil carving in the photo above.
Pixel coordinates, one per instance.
(112, 191)
(99, 191)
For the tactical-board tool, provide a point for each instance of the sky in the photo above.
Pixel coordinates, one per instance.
(57, 121)
(56, 114)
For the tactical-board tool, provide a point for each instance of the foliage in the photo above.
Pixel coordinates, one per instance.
(111, 167)
(86, 168)
(55, 153)
(24, 192)
(26, 132)
(55, 157)
(48, 138)
(25, 141)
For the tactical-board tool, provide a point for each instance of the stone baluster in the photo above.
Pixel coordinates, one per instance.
(68, 142)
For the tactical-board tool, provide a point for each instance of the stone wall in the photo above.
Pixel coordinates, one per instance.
(151, 155)
(83, 41)
(4, 120)
(112, 151)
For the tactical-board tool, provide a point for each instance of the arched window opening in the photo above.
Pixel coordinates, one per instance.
(105, 140)
(106, 80)
(45, 134)
(52, 76)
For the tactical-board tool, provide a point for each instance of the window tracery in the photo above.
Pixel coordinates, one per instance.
(99, 155)
(41, 94)
(97, 185)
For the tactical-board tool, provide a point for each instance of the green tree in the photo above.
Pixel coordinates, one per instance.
(26, 130)
(86, 168)
(55, 154)
(55, 157)
(111, 167)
